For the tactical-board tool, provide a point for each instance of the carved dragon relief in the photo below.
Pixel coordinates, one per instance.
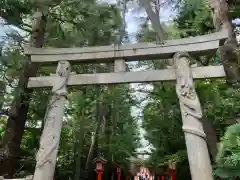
(50, 138)
(189, 102)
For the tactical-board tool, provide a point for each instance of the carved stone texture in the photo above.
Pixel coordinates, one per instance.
(49, 143)
(198, 156)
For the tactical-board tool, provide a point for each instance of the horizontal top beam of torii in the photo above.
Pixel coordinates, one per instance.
(195, 46)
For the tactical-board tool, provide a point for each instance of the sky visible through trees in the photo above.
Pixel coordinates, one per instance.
(133, 21)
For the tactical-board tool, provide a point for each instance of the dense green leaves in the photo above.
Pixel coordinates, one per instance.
(228, 159)
(194, 18)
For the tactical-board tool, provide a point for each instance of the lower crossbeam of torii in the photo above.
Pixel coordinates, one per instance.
(180, 71)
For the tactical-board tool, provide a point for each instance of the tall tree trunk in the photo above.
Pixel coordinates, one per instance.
(154, 18)
(108, 131)
(78, 157)
(211, 138)
(2, 92)
(19, 108)
(95, 136)
(229, 58)
(80, 140)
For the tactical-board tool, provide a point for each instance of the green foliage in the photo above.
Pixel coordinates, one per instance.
(194, 18)
(228, 158)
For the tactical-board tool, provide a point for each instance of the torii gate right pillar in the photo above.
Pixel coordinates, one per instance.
(198, 156)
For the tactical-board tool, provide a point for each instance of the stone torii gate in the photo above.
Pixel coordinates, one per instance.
(179, 50)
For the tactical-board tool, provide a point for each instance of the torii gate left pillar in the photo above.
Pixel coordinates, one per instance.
(49, 142)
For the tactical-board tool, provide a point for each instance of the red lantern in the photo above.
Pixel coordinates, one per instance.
(119, 173)
(118, 170)
(99, 166)
(172, 170)
(100, 161)
(172, 173)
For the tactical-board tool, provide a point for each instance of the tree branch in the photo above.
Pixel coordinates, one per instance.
(154, 19)
(55, 16)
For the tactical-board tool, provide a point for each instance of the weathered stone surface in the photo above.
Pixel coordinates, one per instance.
(198, 156)
(196, 46)
(127, 77)
(49, 142)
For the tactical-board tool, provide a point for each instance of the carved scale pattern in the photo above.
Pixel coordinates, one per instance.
(189, 102)
(49, 139)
